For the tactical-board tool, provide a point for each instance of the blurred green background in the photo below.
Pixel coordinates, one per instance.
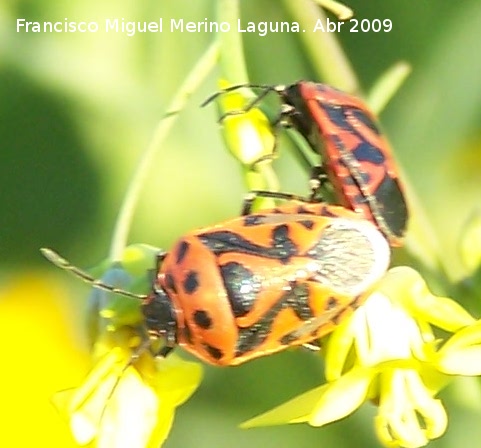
(76, 110)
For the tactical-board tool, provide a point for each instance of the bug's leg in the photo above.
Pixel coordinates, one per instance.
(271, 156)
(250, 197)
(164, 351)
(317, 181)
(152, 273)
(147, 344)
(281, 122)
(245, 109)
(263, 87)
(265, 90)
(161, 352)
(314, 346)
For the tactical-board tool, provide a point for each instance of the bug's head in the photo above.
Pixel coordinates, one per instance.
(156, 307)
(294, 110)
(159, 315)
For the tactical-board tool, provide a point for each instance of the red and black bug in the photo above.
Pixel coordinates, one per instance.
(356, 157)
(259, 283)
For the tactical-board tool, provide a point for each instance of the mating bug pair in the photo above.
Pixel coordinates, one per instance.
(262, 282)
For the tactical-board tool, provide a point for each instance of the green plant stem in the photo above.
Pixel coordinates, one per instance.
(122, 225)
(340, 10)
(234, 69)
(232, 59)
(387, 85)
(323, 49)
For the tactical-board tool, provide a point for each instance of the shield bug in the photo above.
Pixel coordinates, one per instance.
(251, 286)
(356, 157)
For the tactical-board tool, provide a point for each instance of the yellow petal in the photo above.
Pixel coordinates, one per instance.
(396, 423)
(342, 397)
(408, 415)
(383, 331)
(402, 432)
(130, 414)
(429, 409)
(461, 354)
(337, 348)
(176, 379)
(296, 410)
(470, 244)
(105, 373)
(470, 335)
(465, 361)
(405, 285)
(129, 404)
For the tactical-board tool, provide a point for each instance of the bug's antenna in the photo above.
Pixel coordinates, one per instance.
(62, 263)
(264, 87)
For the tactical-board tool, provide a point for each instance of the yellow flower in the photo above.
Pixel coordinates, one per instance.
(41, 353)
(386, 353)
(129, 397)
(128, 403)
(249, 136)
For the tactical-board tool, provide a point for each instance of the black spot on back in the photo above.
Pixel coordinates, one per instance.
(213, 351)
(361, 199)
(288, 338)
(254, 220)
(304, 211)
(295, 298)
(283, 243)
(202, 319)
(337, 115)
(225, 241)
(331, 303)
(242, 287)
(327, 213)
(252, 337)
(356, 303)
(363, 118)
(191, 282)
(298, 300)
(187, 333)
(336, 319)
(182, 251)
(365, 152)
(393, 205)
(307, 223)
